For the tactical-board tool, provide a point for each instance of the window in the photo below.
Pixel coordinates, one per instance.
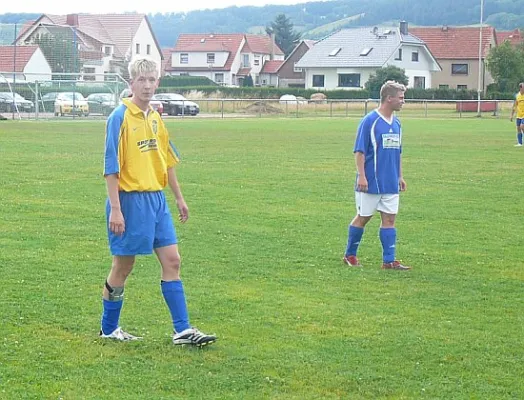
(349, 80)
(245, 60)
(257, 80)
(335, 51)
(296, 69)
(318, 80)
(419, 82)
(414, 56)
(210, 58)
(219, 78)
(366, 51)
(264, 81)
(138, 48)
(148, 49)
(399, 55)
(184, 58)
(107, 50)
(256, 61)
(462, 87)
(184, 74)
(443, 86)
(459, 69)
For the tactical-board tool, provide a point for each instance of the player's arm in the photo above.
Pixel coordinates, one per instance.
(513, 110)
(362, 182)
(116, 218)
(183, 211)
(401, 182)
(112, 165)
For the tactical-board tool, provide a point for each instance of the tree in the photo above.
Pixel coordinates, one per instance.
(248, 81)
(504, 62)
(285, 36)
(381, 75)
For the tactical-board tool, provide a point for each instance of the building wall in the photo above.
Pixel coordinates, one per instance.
(199, 59)
(331, 77)
(287, 70)
(144, 37)
(37, 68)
(445, 77)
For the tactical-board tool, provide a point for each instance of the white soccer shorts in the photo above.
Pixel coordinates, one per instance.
(368, 203)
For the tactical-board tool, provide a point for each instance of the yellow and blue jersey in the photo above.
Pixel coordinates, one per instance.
(519, 105)
(138, 149)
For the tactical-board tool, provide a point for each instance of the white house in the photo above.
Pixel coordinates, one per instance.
(347, 58)
(226, 59)
(24, 63)
(105, 42)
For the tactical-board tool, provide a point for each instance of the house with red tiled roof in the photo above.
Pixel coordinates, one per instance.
(23, 63)
(288, 74)
(269, 73)
(226, 59)
(105, 43)
(456, 49)
(514, 37)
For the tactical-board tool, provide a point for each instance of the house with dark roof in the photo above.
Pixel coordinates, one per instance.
(288, 74)
(456, 49)
(347, 58)
(23, 63)
(226, 59)
(105, 43)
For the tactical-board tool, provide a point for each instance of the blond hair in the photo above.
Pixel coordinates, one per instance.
(390, 88)
(141, 66)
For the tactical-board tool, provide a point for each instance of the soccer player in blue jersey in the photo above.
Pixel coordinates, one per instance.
(378, 156)
(518, 107)
(139, 163)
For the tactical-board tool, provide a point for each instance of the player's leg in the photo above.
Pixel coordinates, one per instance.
(366, 205)
(388, 208)
(113, 298)
(166, 249)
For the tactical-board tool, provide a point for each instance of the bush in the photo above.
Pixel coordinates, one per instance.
(185, 81)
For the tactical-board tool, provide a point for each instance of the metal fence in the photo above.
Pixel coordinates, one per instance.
(66, 100)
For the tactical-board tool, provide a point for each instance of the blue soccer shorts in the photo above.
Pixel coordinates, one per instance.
(519, 121)
(148, 224)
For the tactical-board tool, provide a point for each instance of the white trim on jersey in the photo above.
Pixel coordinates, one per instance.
(374, 143)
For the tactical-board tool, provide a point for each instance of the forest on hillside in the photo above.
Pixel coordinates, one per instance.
(502, 14)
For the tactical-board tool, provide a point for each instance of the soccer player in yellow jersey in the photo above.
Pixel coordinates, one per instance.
(139, 163)
(518, 107)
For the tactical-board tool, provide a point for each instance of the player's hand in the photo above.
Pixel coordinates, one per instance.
(402, 185)
(362, 184)
(183, 211)
(117, 224)
(511, 119)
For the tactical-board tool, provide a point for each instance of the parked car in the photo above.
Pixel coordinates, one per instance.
(47, 102)
(10, 102)
(71, 103)
(155, 104)
(176, 104)
(101, 103)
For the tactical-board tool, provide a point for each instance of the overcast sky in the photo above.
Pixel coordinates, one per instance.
(117, 6)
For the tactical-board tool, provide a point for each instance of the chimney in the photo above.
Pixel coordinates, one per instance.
(72, 19)
(403, 27)
(272, 38)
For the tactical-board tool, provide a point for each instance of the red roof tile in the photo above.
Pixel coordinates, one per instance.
(271, 67)
(23, 55)
(513, 37)
(243, 71)
(262, 44)
(455, 42)
(166, 62)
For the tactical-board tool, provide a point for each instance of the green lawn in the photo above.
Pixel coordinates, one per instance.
(270, 201)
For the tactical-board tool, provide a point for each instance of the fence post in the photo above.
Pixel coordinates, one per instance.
(222, 108)
(460, 109)
(297, 109)
(37, 91)
(425, 108)
(347, 103)
(366, 107)
(330, 108)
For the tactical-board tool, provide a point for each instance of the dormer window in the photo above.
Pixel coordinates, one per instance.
(366, 51)
(335, 51)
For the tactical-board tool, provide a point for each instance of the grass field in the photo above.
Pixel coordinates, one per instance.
(270, 201)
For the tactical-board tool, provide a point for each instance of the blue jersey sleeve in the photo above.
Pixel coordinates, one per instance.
(363, 137)
(113, 133)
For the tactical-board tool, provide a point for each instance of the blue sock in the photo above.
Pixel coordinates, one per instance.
(519, 137)
(111, 315)
(173, 292)
(388, 238)
(354, 236)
